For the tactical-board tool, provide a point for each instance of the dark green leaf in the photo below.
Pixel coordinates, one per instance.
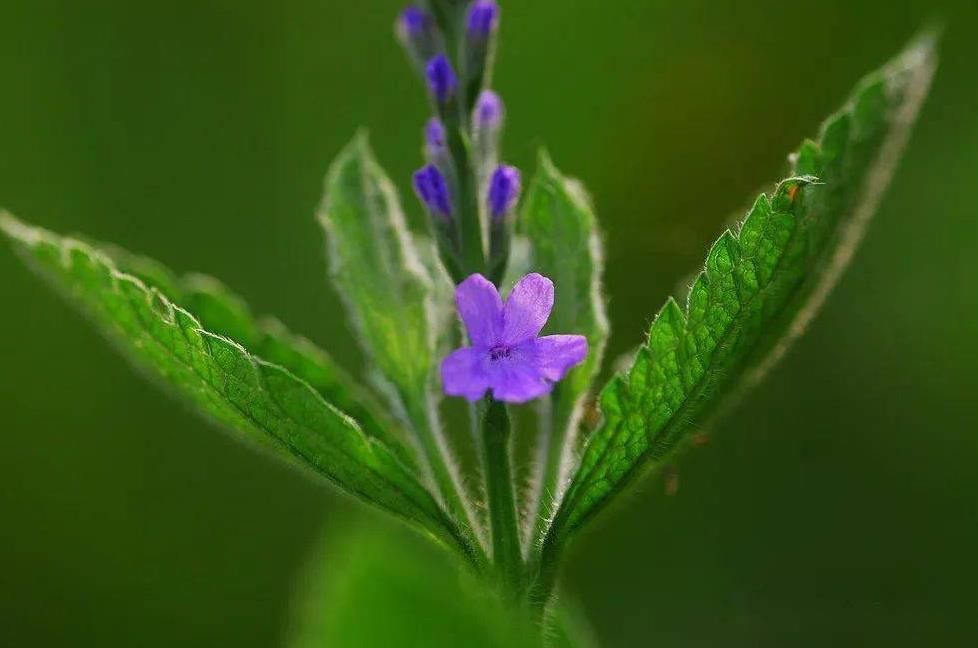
(760, 288)
(224, 313)
(260, 402)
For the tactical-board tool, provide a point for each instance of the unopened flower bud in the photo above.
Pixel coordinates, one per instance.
(416, 30)
(432, 189)
(482, 20)
(435, 139)
(441, 78)
(504, 191)
(488, 113)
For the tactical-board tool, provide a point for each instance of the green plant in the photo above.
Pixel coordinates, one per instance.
(382, 438)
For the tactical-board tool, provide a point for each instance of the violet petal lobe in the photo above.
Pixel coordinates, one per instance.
(481, 309)
(463, 373)
(555, 355)
(527, 308)
(516, 379)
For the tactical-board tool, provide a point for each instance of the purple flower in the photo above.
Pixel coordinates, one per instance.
(506, 355)
(441, 78)
(504, 191)
(488, 113)
(483, 18)
(430, 185)
(435, 140)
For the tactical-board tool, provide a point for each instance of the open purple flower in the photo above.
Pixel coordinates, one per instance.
(506, 355)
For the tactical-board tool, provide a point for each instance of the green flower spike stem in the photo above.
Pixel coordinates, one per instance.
(504, 522)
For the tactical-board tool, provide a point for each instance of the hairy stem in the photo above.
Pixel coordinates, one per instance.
(507, 554)
(438, 457)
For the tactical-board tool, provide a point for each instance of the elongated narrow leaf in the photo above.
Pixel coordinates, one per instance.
(760, 288)
(376, 268)
(224, 313)
(259, 401)
(559, 224)
(388, 293)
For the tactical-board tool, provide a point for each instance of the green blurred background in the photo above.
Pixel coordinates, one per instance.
(837, 506)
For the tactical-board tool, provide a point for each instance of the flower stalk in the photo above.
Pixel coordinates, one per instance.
(507, 553)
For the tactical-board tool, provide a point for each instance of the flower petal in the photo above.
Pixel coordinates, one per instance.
(517, 381)
(481, 308)
(555, 355)
(527, 309)
(463, 373)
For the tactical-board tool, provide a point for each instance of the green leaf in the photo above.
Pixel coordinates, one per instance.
(389, 295)
(367, 584)
(760, 288)
(224, 313)
(262, 403)
(559, 223)
(378, 272)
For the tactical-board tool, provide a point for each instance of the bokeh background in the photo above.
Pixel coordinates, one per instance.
(836, 507)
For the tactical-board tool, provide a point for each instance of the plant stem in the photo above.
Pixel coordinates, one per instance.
(507, 555)
(444, 473)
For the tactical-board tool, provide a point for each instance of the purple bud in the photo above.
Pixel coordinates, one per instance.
(488, 111)
(441, 78)
(414, 22)
(483, 19)
(435, 139)
(430, 185)
(504, 191)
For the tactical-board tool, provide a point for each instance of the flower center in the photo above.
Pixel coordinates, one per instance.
(499, 353)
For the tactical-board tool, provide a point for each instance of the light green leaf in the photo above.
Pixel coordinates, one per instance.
(760, 288)
(388, 293)
(261, 402)
(559, 224)
(377, 270)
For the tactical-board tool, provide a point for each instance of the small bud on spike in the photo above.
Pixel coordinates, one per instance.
(483, 19)
(442, 81)
(430, 185)
(488, 113)
(416, 31)
(504, 191)
(435, 139)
